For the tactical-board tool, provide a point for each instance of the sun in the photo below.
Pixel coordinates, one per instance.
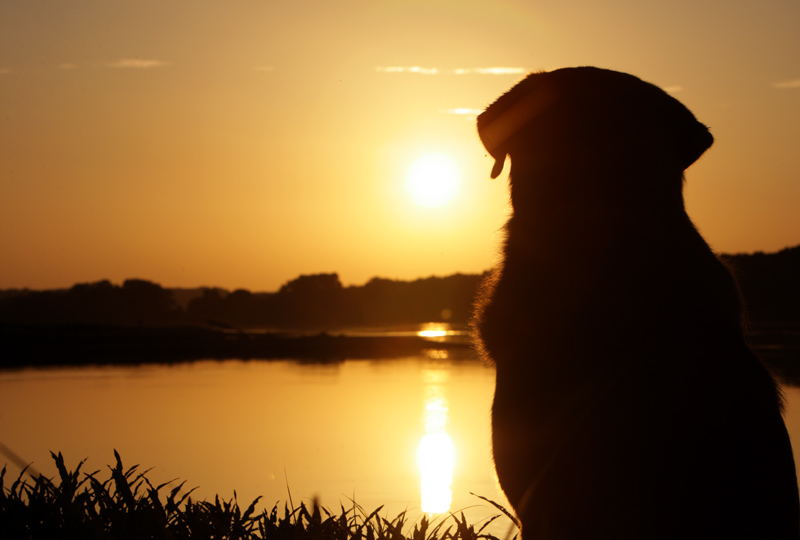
(433, 180)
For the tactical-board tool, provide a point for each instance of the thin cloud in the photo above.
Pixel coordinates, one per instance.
(497, 70)
(137, 63)
(4, 71)
(67, 65)
(673, 89)
(263, 69)
(411, 69)
(787, 84)
(463, 111)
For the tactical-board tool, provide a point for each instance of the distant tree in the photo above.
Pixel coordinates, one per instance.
(312, 285)
(136, 302)
(385, 301)
(94, 302)
(770, 283)
(240, 309)
(312, 300)
(146, 302)
(208, 306)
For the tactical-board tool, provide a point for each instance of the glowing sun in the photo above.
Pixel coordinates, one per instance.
(433, 180)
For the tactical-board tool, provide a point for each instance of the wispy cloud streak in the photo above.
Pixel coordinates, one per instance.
(463, 111)
(674, 89)
(410, 69)
(783, 85)
(458, 71)
(4, 71)
(137, 63)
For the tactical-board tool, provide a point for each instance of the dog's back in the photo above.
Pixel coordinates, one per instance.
(627, 403)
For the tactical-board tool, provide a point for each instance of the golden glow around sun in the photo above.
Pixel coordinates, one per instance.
(433, 180)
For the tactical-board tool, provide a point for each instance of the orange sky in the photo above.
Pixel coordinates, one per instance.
(242, 143)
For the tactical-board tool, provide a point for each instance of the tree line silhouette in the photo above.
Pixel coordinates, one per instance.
(309, 301)
(770, 286)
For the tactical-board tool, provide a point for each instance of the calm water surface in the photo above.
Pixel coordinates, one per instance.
(335, 431)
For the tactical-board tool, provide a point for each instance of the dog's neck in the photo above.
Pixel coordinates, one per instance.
(557, 221)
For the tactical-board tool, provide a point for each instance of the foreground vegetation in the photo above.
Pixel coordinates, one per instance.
(127, 506)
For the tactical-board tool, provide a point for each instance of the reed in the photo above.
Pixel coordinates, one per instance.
(126, 505)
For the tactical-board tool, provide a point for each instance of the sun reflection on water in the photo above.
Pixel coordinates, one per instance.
(436, 453)
(435, 330)
(432, 333)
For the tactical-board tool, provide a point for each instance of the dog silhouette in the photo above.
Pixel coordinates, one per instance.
(627, 403)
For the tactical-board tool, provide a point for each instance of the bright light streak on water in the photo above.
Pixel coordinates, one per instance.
(436, 454)
(432, 333)
(435, 330)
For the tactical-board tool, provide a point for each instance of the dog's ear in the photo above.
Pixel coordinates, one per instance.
(502, 120)
(493, 135)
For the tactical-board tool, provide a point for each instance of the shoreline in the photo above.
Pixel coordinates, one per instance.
(76, 344)
(777, 343)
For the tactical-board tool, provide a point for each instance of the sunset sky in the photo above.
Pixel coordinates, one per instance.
(242, 143)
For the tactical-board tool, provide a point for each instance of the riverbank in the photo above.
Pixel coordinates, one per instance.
(49, 345)
(777, 343)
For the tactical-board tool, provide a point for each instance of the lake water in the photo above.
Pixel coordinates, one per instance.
(333, 431)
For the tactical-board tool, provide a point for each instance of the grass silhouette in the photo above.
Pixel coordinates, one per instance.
(127, 505)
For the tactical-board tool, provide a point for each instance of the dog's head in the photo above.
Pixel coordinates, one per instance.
(585, 119)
